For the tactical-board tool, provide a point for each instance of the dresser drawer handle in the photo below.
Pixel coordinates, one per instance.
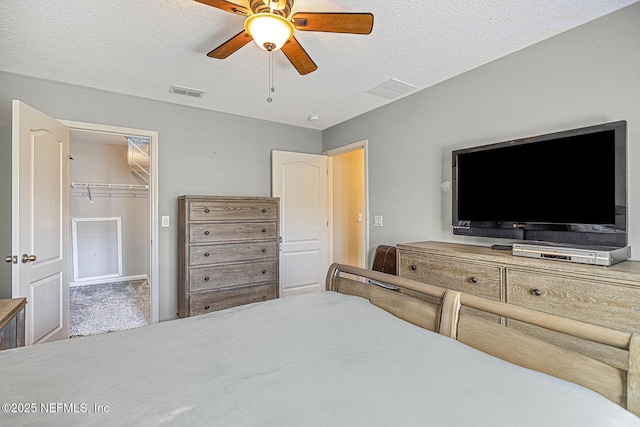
(264, 271)
(206, 279)
(206, 211)
(206, 254)
(474, 280)
(264, 249)
(413, 267)
(206, 233)
(206, 307)
(536, 292)
(264, 211)
(264, 230)
(264, 297)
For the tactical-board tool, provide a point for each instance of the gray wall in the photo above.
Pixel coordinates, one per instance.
(200, 152)
(583, 77)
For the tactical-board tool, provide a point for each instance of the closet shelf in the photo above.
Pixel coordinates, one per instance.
(91, 189)
(84, 185)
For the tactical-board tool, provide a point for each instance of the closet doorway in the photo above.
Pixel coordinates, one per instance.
(112, 205)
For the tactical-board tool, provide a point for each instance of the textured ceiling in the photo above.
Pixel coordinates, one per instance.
(142, 47)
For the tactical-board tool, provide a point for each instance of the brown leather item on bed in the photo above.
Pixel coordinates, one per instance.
(384, 260)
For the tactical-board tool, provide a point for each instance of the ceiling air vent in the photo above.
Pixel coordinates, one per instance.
(181, 90)
(391, 89)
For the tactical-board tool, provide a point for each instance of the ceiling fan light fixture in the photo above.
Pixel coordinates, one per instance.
(269, 31)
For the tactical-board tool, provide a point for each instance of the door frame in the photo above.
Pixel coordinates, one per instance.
(341, 150)
(153, 198)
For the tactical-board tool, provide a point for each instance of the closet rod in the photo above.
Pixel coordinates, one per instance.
(109, 186)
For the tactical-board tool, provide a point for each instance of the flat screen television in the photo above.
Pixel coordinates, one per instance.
(567, 187)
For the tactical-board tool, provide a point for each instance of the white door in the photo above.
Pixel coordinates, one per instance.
(40, 222)
(301, 182)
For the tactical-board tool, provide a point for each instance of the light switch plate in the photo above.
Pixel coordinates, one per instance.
(377, 221)
(165, 221)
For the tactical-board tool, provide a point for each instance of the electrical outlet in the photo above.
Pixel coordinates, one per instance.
(165, 221)
(377, 221)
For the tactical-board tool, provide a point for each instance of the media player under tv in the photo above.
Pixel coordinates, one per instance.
(596, 255)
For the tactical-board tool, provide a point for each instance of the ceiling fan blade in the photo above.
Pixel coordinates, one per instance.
(231, 45)
(226, 5)
(353, 23)
(298, 57)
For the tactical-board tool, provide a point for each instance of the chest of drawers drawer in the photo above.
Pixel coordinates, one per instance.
(230, 210)
(229, 275)
(206, 302)
(235, 252)
(232, 231)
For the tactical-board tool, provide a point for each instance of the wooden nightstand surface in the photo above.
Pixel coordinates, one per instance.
(12, 322)
(9, 308)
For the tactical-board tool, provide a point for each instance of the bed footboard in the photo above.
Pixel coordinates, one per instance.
(439, 310)
(621, 386)
(414, 302)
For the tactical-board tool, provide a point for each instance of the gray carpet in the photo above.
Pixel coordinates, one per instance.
(97, 309)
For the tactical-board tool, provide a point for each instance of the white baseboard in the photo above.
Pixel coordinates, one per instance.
(109, 280)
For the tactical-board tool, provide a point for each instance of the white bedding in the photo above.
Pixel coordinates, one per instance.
(315, 360)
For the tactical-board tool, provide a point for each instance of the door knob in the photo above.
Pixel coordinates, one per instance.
(8, 258)
(28, 258)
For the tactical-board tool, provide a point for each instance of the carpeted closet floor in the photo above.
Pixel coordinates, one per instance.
(110, 307)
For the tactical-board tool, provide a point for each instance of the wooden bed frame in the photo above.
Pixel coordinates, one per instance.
(441, 310)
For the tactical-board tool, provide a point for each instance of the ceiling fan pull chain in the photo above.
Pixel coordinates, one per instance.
(271, 89)
(271, 72)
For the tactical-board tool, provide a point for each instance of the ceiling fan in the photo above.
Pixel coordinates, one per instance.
(269, 25)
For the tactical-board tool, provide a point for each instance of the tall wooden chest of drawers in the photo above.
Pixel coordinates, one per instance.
(228, 252)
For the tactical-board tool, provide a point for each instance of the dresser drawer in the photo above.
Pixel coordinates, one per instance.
(234, 252)
(232, 210)
(232, 231)
(599, 303)
(205, 302)
(450, 273)
(229, 275)
(595, 302)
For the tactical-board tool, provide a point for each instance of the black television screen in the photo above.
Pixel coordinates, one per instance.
(565, 187)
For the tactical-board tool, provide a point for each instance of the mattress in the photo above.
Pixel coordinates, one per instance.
(322, 359)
